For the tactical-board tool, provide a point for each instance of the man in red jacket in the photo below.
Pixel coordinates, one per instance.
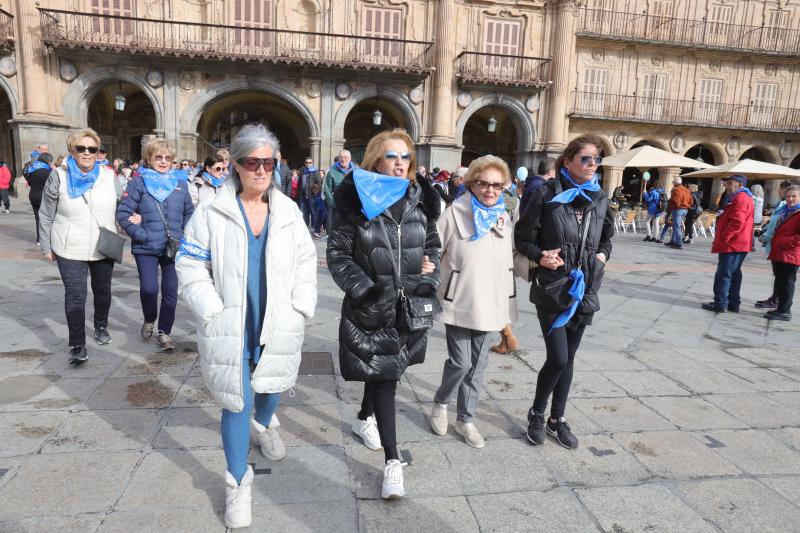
(732, 241)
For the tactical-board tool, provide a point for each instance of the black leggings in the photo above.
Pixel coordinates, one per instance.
(379, 400)
(556, 375)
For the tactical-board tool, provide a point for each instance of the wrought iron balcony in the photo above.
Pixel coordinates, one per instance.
(478, 68)
(685, 112)
(688, 33)
(191, 39)
(6, 30)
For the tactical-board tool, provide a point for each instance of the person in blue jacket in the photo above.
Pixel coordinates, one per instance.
(654, 211)
(154, 210)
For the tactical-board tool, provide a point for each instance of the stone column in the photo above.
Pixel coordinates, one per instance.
(328, 149)
(772, 192)
(716, 191)
(612, 178)
(666, 175)
(563, 46)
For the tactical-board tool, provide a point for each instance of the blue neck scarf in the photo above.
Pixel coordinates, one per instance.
(160, 185)
(486, 217)
(785, 212)
(78, 182)
(576, 291)
(37, 165)
(378, 192)
(345, 170)
(730, 196)
(569, 195)
(214, 182)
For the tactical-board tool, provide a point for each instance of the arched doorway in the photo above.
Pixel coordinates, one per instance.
(121, 113)
(633, 182)
(757, 154)
(223, 118)
(795, 162)
(490, 130)
(702, 154)
(360, 125)
(7, 148)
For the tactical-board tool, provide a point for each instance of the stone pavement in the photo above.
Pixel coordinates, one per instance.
(688, 421)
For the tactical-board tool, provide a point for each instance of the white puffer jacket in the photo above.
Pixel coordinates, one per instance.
(212, 277)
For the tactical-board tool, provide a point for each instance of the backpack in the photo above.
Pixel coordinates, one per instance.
(663, 201)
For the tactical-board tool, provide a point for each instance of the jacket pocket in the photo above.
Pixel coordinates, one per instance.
(452, 286)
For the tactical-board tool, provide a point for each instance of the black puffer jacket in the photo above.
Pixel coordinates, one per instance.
(548, 226)
(370, 346)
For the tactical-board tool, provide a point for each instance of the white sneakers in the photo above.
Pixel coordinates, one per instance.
(238, 499)
(368, 431)
(268, 439)
(393, 480)
(439, 418)
(470, 433)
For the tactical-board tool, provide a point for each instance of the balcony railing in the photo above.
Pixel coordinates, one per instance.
(192, 39)
(638, 27)
(685, 112)
(477, 68)
(6, 30)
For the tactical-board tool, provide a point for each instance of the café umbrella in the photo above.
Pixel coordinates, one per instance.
(746, 167)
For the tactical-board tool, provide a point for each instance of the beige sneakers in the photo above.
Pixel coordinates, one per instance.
(470, 433)
(238, 499)
(439, 419)
(268, 439)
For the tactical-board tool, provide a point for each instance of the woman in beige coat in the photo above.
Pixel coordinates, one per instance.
(477, 290)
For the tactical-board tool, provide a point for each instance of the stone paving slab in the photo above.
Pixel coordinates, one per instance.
(772, 456)
(709, 381)
(24, 433)
(622, 414)
(116, 430)
(511, 512)
(645, 383)
(418, 515)
(692, 413)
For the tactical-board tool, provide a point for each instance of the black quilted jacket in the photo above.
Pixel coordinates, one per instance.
(370, 346)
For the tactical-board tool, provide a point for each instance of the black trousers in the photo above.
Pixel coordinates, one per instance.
(73, 274)
(36, 202)
(785, 276)
(555, 377)
(379, 400)
(5, 199)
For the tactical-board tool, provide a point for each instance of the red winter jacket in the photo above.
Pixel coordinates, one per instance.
(5, 177)
(735, 226)
(786, 241)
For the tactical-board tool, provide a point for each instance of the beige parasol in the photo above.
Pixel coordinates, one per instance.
(650, 157)
(746, 167)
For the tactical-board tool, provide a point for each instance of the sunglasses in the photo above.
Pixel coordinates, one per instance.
(485, 185)
(309, 162)
(252, 163)
(217, 169)
(392, 156)
(167, 158)
(81, 149)
(586, 159)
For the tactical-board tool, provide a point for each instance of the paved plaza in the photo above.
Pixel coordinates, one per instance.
(688, 421)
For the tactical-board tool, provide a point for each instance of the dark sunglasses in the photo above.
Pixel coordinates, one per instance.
(217, 169)
(392, 155)
(485, 185)
(309, 162)
(252, 163)
(585, 159)
(81, 149)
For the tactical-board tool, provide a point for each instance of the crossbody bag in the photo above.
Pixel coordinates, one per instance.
(109, 243)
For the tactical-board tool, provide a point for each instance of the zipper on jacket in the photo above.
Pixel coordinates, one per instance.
(400, 259)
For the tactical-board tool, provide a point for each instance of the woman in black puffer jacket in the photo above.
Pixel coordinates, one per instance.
(372, 348)
(549, 234)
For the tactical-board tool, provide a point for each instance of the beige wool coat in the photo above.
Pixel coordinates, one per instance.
(477, 288)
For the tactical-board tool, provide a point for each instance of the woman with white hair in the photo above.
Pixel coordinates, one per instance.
(758, 199)
(248, 271)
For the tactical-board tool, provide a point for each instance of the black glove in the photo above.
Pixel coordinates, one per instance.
(371, 296)
(425, 289)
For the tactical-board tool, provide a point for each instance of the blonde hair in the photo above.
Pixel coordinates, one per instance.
(75, 138)
(158, 145)
(478, 166)
(374, 152)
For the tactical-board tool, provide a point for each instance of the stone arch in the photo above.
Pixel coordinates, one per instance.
(11, 94)
(190, 118)
(86, 86)
(662, 145)
(398, 98)
(770, 153)
(608, 146)
(526, 130)
(716, 150)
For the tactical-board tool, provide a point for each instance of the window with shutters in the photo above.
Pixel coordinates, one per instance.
(764, 104)
(776, 26)
(660, 21)
(709, 102)
(382, 23)
(501, 36)
(653, 94)
(599, 15)
(719, 23)
(118, 8)
(594, 90)
(252, 14)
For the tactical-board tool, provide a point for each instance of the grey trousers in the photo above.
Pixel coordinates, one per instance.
(463, 371)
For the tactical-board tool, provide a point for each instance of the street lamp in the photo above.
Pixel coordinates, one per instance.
(377, 116)
(120, 100)
(491, 127)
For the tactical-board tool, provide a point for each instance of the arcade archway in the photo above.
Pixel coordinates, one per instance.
(121, 113)
(360, 125)
(703, 154)
(633, 182)
(490, 130)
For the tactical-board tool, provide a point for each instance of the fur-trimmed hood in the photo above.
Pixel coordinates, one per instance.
(419, 192)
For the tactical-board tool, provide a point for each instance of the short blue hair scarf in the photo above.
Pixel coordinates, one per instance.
(78, 182)
(159, 185)
(378, 192)
(485, 217)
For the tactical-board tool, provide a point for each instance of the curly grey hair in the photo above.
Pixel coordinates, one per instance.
(250, 138)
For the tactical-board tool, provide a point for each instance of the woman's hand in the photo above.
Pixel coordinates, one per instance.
(427, 266)
(135, 218)
(49, 256)
(601, 257)
(551, 260)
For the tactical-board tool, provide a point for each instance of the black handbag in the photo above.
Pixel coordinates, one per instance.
(171, 251)
(109, 243)
(414, 313)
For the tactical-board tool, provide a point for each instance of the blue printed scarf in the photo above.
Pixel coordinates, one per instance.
(569, 195)
(486, 217)
(79, 182)
(159, 185)
(378, 192)
(35, 163)
(214, 182)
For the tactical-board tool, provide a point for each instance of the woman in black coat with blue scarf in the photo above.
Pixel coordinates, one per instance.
(154, 210)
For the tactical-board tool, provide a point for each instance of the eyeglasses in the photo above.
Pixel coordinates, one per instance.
(161, 157)
(485, 185)
(392, 156)
(252, 163)
(217, 169)
(309, 162)
(81, 149)
(585, 159)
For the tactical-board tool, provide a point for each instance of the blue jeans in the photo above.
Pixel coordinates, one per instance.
(306, 210)
(677, 218)
(728, 280)
(147, 265)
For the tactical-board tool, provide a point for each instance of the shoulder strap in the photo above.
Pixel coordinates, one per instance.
(91, 212)
(164, 220)
(395, 269)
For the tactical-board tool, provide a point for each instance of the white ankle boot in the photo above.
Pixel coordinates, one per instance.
(268, 439)
(238, 500)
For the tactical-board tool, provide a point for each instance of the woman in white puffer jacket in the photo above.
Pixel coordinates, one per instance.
(247, 268)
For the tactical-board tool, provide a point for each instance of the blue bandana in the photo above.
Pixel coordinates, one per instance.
(569, 195)
(78, 182)
(576, 292)
(214, 182)
(37, 165)
(378, 192)
(343, 170)
(485, 217)
(730, 196)
(160, 185)
(785, 212)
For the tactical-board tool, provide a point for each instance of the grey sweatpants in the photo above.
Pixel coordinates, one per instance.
(463, 371)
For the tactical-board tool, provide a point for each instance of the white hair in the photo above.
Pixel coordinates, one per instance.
(757, 190)
(677, 180)
(345, 152)
(250, 138)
